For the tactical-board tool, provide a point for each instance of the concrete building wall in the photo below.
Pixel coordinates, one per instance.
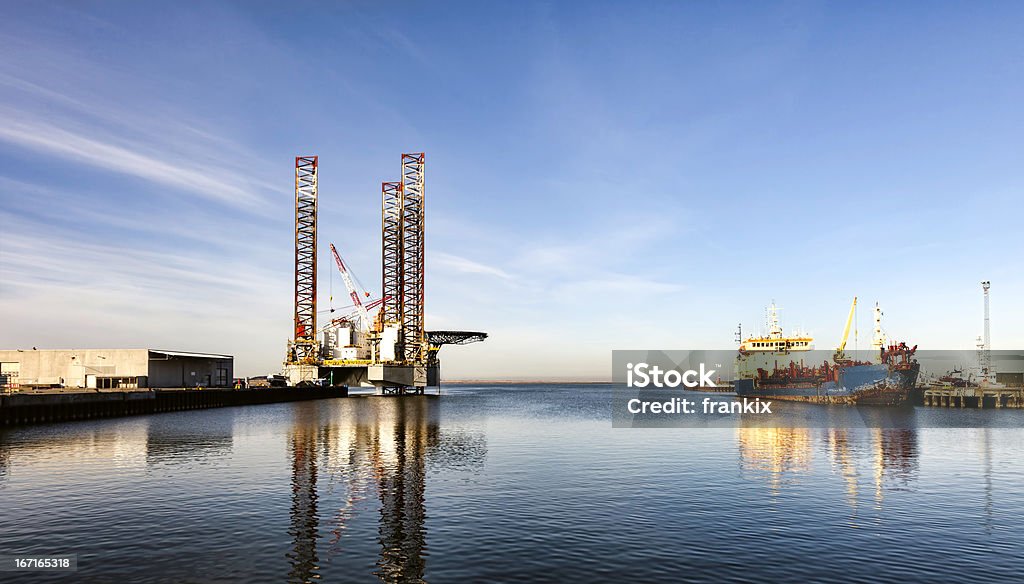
(72, 367)
(190, 371)
(119, 367)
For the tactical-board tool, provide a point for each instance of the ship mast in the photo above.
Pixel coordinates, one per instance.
(878, 339)
(774, 329)
(986, 344)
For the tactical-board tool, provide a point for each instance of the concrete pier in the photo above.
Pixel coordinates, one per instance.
(60, 406)
(978, 397)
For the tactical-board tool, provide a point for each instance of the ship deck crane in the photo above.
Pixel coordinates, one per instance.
(841, 349)
(364, 318)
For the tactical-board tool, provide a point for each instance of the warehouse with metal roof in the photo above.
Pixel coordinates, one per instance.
(113, 368)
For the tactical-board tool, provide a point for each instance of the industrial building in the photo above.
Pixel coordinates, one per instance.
(113, 368)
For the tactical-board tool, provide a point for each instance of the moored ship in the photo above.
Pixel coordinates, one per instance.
(888, 382)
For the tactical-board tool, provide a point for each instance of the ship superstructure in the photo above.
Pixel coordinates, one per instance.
(775, 340)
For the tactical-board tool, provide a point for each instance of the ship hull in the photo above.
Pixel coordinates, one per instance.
(874, 384)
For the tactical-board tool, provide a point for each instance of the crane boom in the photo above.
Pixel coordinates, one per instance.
(364, 318)
(840, 352)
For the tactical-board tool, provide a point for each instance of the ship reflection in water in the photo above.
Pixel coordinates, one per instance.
(379, 448)
(883, 459)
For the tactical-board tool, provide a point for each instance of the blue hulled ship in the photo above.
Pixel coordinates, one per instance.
(889, 381)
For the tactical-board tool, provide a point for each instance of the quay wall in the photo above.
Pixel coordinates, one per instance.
(61, 406)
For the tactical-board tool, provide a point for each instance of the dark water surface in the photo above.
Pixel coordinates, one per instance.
(499, 483)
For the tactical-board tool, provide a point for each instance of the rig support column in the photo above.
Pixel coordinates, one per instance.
(391, 248)
(305, 345)
(413, 334)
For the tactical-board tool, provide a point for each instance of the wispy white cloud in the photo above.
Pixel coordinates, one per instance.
(195, 177)
(467, 266)
(56, 206)
(57, 102)
(612, 247)
(41, 92)
(627, 285)
(157, 127)
(35, 255)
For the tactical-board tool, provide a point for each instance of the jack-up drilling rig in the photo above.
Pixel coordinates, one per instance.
(395, 352)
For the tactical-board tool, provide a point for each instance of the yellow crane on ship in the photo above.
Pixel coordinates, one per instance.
(841, 349)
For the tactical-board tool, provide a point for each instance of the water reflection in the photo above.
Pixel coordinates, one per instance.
(987, 470)
(124, 444)
(896, 455)
(122, 447)
(372, 447)
(782, 455)
(399, 470)
(777, 452)
(5, 456)
(167, 441)
(304, 518)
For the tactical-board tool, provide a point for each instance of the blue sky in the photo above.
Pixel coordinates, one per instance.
(599, 175)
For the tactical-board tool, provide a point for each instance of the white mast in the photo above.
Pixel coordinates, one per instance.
(986, 345)
(774, 329)
(878, 340)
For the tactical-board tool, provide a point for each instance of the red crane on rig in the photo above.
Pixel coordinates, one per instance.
(353, 292)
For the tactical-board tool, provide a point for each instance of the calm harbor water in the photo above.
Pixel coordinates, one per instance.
(507, 482)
